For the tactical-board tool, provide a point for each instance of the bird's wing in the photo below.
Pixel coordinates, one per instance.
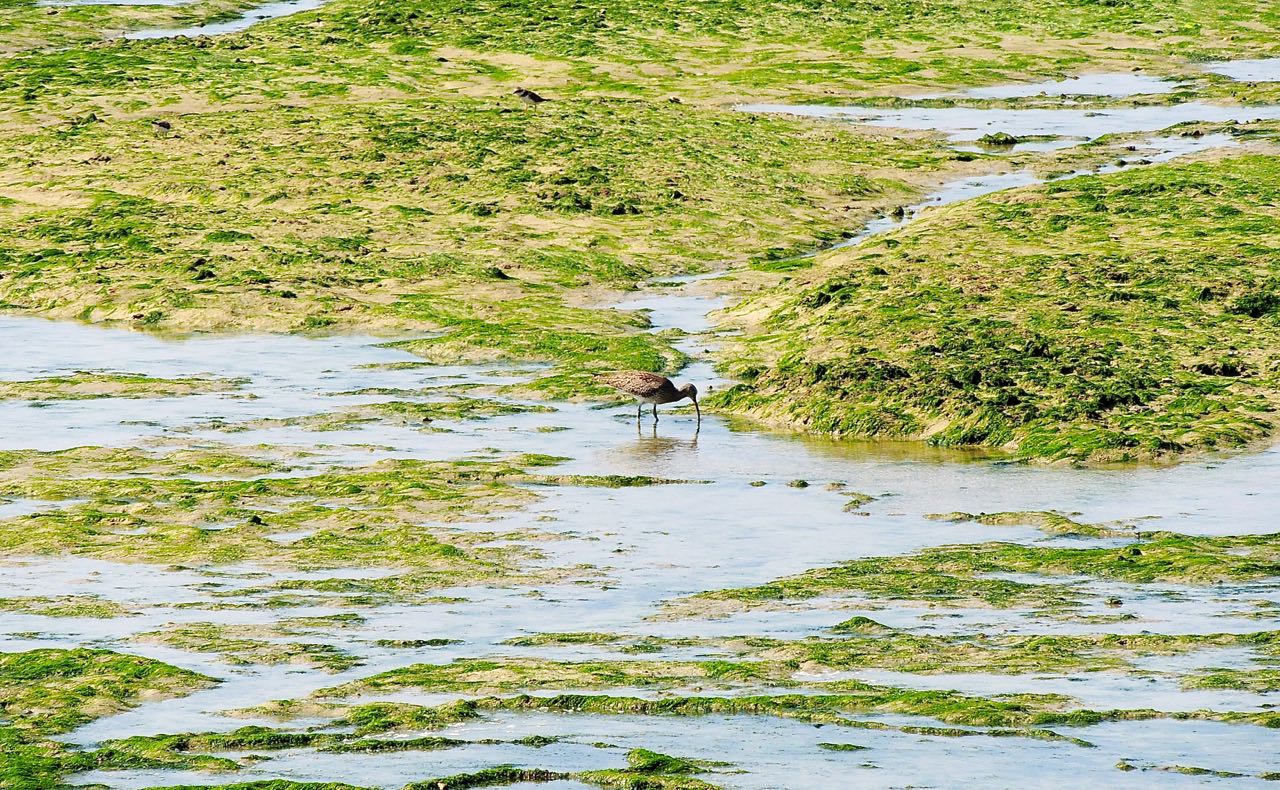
(636, 382)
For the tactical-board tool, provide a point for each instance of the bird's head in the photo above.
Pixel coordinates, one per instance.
(517, 91)
(691, 392)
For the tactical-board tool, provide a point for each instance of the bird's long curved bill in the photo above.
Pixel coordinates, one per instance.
(697, 409)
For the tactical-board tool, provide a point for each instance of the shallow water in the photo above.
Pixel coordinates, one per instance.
(1113, 85)
(252, 16)
(649, 545)
(793, 757)
(1260, 70)
(965, 124)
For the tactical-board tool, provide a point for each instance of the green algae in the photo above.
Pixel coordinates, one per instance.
(396, 412)
(1121, 332)
(378, 264)
(29, 25)
(1018, 716)
(52, 691)
(649, 769)
(87, 385)
(487, 676)
(860, 625)
(447, 155)
(246, 645)
(961, 575)
(857, 501)
(323, 623)
(21, 470)
(415, 643)
(841, 747)
(917, 577)
(270, 784)
(574, 638)
(1049, 521)
(65, 606)
(865, 644)
(489, 777)
(608, 481)
(1258, 681)
(340, 516)
(699, 46)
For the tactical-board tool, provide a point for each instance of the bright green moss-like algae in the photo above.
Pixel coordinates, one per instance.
(966, 575)
(1112, 317)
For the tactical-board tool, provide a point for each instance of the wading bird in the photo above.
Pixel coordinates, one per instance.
(528, 97)
(650, 388)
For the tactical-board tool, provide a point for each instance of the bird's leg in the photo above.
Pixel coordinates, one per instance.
(655, 412)
(639, 407)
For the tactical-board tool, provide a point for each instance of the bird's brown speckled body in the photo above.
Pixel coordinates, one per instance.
(650, 388)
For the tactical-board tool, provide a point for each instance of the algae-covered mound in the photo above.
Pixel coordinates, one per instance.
(50, 691)
(1111, 317)
(85, 385)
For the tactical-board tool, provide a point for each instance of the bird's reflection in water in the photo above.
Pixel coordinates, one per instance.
(650, 448)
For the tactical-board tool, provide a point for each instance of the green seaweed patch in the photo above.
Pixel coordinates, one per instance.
(857, 501)
(66, 606)
(269, 784)
(397, 412)
(569, 638)
(1121, 332)
(1016, 716)
(505, 675)
(419, 588)
(650, 769)
(1258, 681)
(338, 517)
(489, 777)
(841, 747)
(408, 644)
(865, 644)
(608, 481)
(249, 644)
(1187, 770)
(861, 625)
(961, 575)
(1046, 520)
(19, 469)
(51, 691)
(990, 654)
(86, 385)
(323, 623)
